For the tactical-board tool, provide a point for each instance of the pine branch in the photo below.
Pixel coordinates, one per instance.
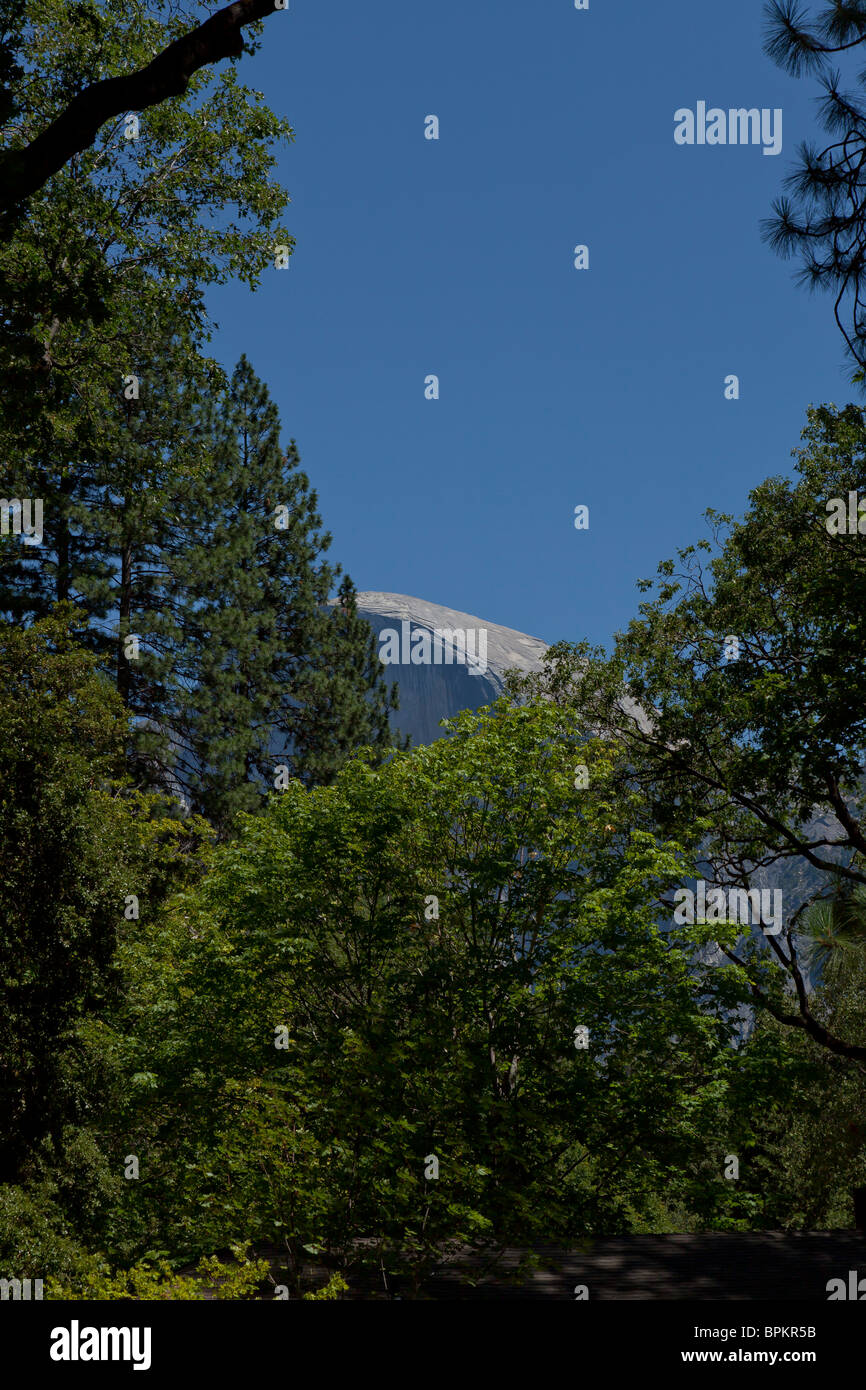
(797, 48)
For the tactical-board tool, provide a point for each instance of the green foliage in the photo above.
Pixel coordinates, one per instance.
(425, 934)
(803, 1144)
(835, 933)
(253, 669)
(72, 848)
(105, 275)
(755, 764)
(411, 1035)
(330, 1292)
(159, 507)
(64, 861)
(212, 1278)
(35, 1236)
(130, 230)
(391, 968)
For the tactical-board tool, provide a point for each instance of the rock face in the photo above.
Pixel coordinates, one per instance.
(440, 681)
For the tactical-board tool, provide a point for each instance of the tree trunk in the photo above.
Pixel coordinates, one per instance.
(123, 668)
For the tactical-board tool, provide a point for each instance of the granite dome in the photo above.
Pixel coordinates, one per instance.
(429, 693)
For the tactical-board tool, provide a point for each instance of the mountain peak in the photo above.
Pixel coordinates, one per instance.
(430, 692)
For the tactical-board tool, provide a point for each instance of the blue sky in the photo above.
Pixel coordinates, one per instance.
(455, 257)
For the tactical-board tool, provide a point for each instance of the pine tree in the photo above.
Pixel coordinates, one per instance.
(823, 222)
(262, 672)
(192, 541)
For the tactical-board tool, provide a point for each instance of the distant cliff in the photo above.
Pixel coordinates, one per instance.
(432, 689)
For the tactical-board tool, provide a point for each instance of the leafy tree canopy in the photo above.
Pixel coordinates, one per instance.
(740, 695)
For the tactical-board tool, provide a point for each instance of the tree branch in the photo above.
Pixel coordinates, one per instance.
(805, 1019)
(24, 171)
